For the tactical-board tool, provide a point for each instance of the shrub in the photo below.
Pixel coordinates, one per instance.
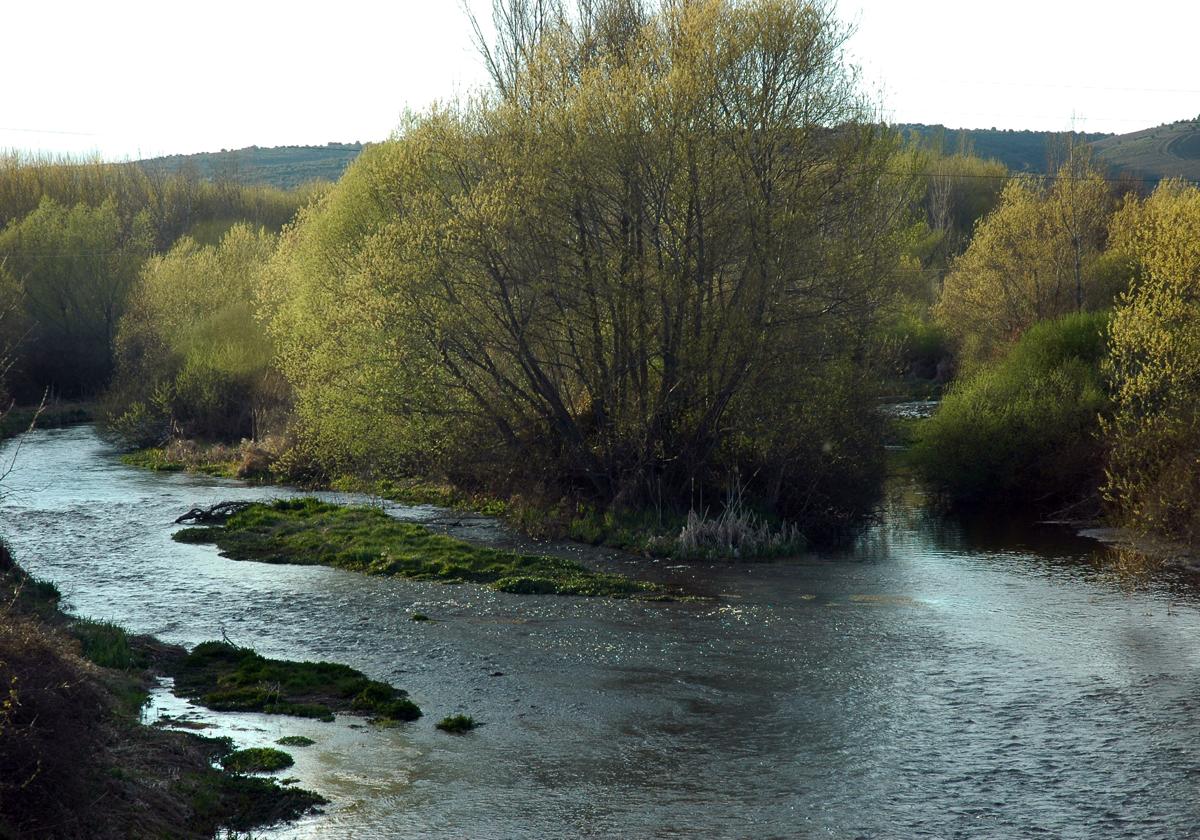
(257, 760)
(1023, 432)
(457, 724)
(1153, 480)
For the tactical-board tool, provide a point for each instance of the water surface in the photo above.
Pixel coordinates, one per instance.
(932, 683)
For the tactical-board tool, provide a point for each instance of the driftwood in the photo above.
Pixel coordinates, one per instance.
(215, 515)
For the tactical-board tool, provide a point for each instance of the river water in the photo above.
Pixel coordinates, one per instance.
(935, 682)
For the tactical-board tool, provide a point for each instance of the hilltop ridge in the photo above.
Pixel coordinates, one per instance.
(285, 167)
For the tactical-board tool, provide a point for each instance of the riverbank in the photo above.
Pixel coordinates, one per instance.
(52, 415)
(724, 530)
(1148, 552)
(75, 760)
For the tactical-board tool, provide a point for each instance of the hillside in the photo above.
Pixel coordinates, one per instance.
(282, 166)
(1166, 151)
(1020, 151)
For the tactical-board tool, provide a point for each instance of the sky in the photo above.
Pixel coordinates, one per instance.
(138, 78)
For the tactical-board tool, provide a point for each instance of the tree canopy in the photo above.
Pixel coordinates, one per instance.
(644, 263)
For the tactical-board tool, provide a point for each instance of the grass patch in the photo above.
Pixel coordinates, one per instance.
(416, 492)
(257, 760)
(295, 741)
(639, 532)
(107, 645)
(367, 540)
(227, 678)
(161, 460)
(457, 724)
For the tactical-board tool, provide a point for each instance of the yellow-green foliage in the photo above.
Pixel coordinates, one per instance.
(1034, 257)
(73, 236)
(192, 357)
(640, 265)
(1154, 474)
(1023, 433)
(960, 189)
(175, 204)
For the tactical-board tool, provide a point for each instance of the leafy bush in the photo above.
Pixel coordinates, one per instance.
(1024, 432)
(1153, 480)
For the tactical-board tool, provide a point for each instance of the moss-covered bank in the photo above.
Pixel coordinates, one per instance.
(75, 761)
(227, 678)
(367, 540)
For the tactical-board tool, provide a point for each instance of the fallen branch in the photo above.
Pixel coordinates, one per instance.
(215, 515)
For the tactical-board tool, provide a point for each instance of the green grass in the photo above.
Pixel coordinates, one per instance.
(457, 724)
(227, 678)
(367, 540)
(640, 532)
(421, 492)
(257, 760)
(158, 460)
(107, 645)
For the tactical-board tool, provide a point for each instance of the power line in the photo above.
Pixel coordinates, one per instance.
(49, 131)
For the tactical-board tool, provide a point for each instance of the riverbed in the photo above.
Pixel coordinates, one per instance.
(936, 681)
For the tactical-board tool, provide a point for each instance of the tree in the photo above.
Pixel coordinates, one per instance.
(191, 355)
(1033, 258)
(1153, 480)
(647, 261)
(12, 329)
(75, 266)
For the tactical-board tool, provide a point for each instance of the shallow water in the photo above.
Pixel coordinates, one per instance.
(934, 682)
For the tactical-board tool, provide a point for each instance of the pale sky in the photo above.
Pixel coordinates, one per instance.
(137, 78)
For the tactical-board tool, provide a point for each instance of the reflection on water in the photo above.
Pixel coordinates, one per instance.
(938, 681)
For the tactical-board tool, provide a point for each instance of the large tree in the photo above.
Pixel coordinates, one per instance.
(645, 262)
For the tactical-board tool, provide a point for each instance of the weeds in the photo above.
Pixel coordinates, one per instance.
(737, 533)
(107, 645)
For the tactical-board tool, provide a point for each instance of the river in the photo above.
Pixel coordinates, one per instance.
(935, 682)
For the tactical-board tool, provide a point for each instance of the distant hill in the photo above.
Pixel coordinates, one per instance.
(1020, 151)
(1168, 151)
(282, 166)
